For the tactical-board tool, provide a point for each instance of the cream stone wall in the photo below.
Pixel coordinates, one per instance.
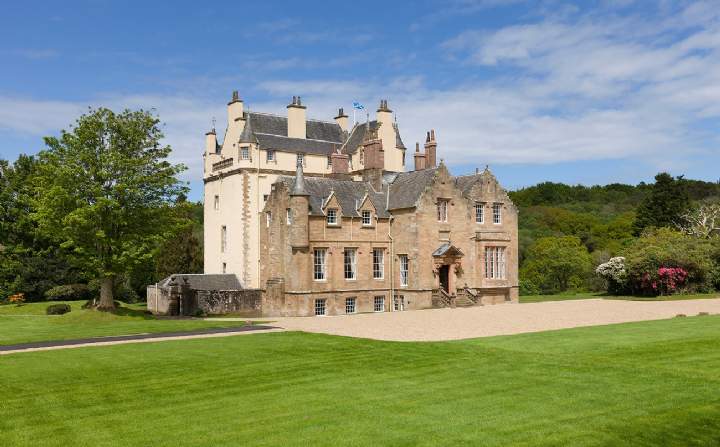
(242, 187)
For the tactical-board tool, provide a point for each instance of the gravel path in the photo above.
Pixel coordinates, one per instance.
(502, 319)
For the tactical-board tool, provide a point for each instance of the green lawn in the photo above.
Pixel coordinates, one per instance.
(28, 323)
(589, 295)
(651, 383)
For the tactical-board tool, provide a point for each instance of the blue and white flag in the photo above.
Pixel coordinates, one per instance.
(358, 106)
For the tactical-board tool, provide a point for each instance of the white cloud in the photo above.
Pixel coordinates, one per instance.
(599, 87)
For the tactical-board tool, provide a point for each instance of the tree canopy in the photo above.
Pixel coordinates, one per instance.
(104, 192)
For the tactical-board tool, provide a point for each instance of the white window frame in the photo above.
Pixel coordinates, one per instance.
(366, 218)
(379, 303)
(320, 307)
(399, 303)
(268, 218)
(495, 263)
(245, 153)
(442, 210)
(223, 239)
(216, 204)
(479, 213)
(404, 270)
(269, 155)
(350, 264)
(320, 264)
(497, 213)
(288, 216)
(378, 255)
(350, 305)
(331, 216)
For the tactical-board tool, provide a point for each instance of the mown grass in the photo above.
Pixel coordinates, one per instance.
(650, 383)
(28, 323)
(602, 295)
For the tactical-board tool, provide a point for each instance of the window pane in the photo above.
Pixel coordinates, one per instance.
(403, 270)
(320, 307)
(379, 304)
(350, 267)
(319, 273)
(350, 305)
(378, 263)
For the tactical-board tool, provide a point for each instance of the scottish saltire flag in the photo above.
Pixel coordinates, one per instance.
(358, 106)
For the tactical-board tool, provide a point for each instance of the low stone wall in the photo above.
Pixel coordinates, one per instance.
(176, 300)
(246, 303)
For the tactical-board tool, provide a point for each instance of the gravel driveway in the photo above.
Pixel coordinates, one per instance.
(501, 319)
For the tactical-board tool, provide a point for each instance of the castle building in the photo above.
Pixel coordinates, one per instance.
(326, 219)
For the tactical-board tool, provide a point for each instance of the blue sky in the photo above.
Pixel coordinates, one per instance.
(579, 92)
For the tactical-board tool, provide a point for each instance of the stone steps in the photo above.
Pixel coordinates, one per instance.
(463, 301)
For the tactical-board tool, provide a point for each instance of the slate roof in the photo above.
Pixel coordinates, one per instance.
(407, 187)
(445, 248)
(314, 129)
(282, 143)
(357, 135)
(348, 193)
(197, 281)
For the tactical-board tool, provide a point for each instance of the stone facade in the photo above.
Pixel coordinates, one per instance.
(436, 247)
(256, 149)
(324, 219)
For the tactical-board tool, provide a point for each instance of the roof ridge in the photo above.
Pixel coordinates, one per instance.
(285, 117)
(295, 138)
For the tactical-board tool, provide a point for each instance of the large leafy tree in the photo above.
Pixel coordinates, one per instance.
(556, 264)
(29, 261)
(105, 191)
(667, 201)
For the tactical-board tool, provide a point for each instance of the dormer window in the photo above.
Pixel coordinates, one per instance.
(366, 218)
(245, 153)
(331, 217)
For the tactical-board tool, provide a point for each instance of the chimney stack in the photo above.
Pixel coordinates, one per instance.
(235, 113)
(340, 163)
(430, 150)
(342, 120)
(296, 119)
(419, 158)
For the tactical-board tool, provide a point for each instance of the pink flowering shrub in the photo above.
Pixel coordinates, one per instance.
(666, 281)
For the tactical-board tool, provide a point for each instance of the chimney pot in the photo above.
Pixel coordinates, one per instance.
(477, 171)
(427, 139)
(432, 134)
(235, 95)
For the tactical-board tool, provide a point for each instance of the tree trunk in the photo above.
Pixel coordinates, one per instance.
(106, 294)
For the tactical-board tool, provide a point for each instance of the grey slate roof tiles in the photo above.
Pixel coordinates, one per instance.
(348, 193)
(407, 187)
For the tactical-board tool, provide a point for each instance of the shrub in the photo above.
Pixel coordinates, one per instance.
(70, 292)
(18, 298)
(528, 287)
(615, 273)
(57, 309)
(648, 258)
(557, 264)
